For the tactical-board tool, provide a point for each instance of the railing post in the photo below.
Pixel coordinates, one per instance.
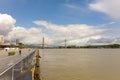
(13, 73)
(21, 65)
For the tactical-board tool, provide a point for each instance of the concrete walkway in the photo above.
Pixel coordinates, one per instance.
(7, 61)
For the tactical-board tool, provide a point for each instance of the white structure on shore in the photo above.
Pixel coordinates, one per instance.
(1, 39)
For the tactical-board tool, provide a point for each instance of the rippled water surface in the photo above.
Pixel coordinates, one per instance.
(80, 64)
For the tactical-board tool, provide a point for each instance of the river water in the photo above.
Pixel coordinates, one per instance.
(80, 64)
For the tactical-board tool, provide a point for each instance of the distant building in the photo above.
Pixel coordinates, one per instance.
(1, 39)
(17, 41)
(6, 46)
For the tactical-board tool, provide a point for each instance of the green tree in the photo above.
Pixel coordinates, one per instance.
(21, 45)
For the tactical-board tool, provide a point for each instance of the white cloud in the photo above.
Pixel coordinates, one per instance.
(75, 33)
(110, 7)
(7, 23)
(28, 36)
(34, 30)
(104, 41)
(72, 6)
(11, 32)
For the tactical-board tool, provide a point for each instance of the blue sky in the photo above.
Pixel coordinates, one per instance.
(50, 16)
(55, 11)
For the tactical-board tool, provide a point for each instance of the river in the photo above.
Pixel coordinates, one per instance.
(80, 64)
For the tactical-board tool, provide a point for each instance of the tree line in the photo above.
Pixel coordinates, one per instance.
(93, 46)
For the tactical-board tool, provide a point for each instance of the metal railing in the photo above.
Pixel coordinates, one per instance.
(18, 70)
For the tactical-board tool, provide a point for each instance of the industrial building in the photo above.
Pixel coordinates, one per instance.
(4, 45)
(1, 39)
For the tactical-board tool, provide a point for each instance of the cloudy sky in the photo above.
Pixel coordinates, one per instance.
(80, 22)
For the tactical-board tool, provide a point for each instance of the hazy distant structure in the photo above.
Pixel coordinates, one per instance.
(1, 39)
(17, 41)
(65, 43)
(43, 43)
